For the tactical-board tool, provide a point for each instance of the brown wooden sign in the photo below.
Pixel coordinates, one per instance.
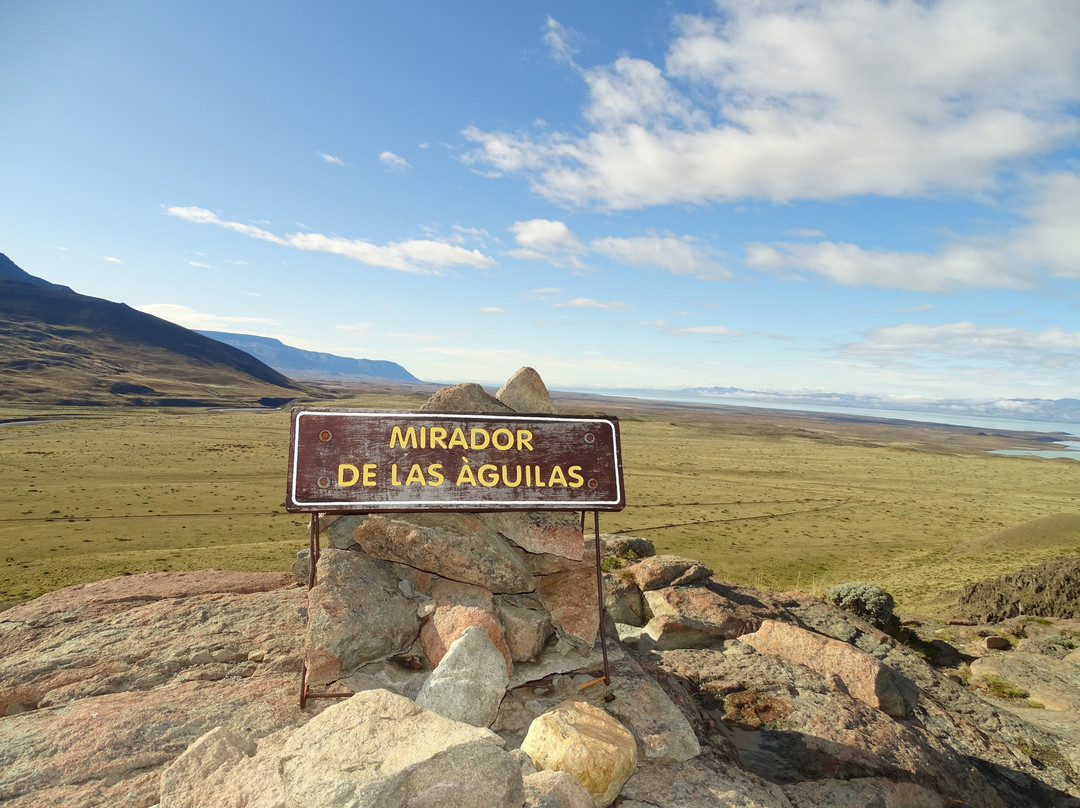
(360, 461)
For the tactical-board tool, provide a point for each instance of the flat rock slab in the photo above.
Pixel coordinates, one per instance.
(460, 547)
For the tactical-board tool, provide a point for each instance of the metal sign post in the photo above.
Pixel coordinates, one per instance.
(357, 461)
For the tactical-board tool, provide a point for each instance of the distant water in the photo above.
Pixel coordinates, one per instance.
(1068, 430)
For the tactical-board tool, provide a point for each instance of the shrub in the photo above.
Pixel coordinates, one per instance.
(870, 602)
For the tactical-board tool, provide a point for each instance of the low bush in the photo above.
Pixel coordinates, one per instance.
(868, 601)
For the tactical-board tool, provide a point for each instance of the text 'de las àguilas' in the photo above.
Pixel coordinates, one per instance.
(361, 461)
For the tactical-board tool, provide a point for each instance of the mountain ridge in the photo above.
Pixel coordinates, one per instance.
(302, 364)
(62, 347)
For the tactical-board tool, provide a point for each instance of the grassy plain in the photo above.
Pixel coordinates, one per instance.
(778, 500)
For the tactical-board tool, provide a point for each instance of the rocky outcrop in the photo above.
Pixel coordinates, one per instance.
(1049, 589)
(459, 689)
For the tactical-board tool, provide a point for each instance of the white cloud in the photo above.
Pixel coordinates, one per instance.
(112, 260)
(329, 158)
(423, 256)
(822, 99)
(561, 41)
(971, 342)
(553, 242)
(491, 310)
(189, 318)
(358, 329)
(1046, 242)
(680, 255)
(589, 303)
(543, 294)
(198, 264)
(678, 331)
(548, 241)
(393, 161)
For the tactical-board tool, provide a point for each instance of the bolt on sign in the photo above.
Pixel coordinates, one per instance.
(359, 461)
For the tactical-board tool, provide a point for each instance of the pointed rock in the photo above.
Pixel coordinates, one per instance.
(525, 391)
(470, 681)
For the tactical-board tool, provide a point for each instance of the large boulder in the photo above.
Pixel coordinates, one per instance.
(224, 770)
(357, 613)
(466, 397)
(381, 750)
(586, 742)
(863, 676)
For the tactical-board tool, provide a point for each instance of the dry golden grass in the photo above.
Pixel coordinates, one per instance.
(780, 501)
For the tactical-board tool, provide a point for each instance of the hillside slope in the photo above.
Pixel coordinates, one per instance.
(300, 364)
(61, 347)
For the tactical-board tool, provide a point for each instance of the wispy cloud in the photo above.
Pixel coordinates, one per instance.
(1045, 242)
(491, 310)
(681, 330)
(112, 260)
(189, 318)
(198, 264)
(423, 256)
(971, 342)
(552, 242)
(394, 162)
(589, 303)
(329, 158)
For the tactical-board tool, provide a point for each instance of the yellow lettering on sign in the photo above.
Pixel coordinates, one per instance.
(507, 443)
(576, 480)
(488, 475)
(457, 439)
(393, 475)
(438, 437)
(369, 475)
(353, 471)
(524, 440)
(476, 435)
(466, 475)
(539, 482)
(404, 441)
(434, 473)
(416, 475)
(557, 477)
(506, 477)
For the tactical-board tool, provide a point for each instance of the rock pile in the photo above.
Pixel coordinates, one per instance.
(469, 645)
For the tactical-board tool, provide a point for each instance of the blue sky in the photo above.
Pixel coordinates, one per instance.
(848, 196)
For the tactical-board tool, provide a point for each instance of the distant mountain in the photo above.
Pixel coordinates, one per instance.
(61, 347)
(301, 364)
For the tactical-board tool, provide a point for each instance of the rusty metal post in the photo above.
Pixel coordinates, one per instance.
(600, 594)
(313, 549)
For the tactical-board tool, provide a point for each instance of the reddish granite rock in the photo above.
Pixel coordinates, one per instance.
(458, 606)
